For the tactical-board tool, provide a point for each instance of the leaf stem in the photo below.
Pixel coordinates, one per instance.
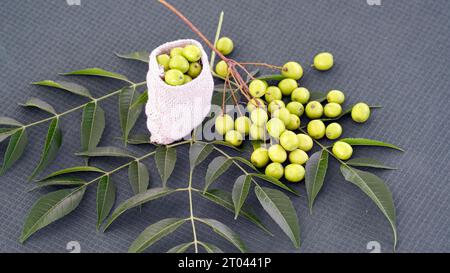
(219, 29)
(191, 211)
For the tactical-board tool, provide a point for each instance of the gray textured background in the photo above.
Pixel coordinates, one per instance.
(395, 55)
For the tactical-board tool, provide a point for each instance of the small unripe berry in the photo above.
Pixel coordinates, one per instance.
(277, 153)
(254, 104)
(275, 105)
(316, 129)
(174, 77)
(257, 88)
(333, 130)
(289, 140)
(274, 170)
(163, 60)
(314, 110)
(222, 69)
(282, 114)
(294, 172)
(273, 93)
(180, 63)
(300, 94)
(234, 138)
(194, 69)
(275, 127)
(336, 96)
(177, 51)
(187, 78)
(259, 117)
(305, 142)
(224, 124)
(257, 132)
(323, 61)
(242, 125)
(342, 150)
(260, 157)
(287, 86)
(332, 110)
(192, 53)
(225, 45)
(298, 157)
(360, 112)
(292, 70)
(295, 108)
(294, 123)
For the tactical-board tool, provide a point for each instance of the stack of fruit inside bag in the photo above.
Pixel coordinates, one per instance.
(273, 118)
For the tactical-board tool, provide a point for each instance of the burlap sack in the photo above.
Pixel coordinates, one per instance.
(174, 111)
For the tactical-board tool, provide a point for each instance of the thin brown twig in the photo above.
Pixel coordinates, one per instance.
(264, 65)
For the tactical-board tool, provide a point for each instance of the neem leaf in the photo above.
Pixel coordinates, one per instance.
(10, 122)
(67, 86)
(280, 208)
(316, 169)
(137, 200)
(154, 233)
(369, 142)
(142, 56)
(210, 248)
(199, 152)
(139, 139)
(224, 143)
(274, 181)
(274, 77)
(240, 192)
(141, 99)
(40, 104)
(376, 189)
(6, 132)
(128, 115)
(225, 232)
(368, 162)
(215, 169)
(15, 149)
(106, 151)
(76, 169)
(99, 72)
(245, 161)
(59, 181)
(106, 196)
(92, 126)
(317, 96)
(51, 147)
(165, 158)
(50, 208)
(138, 176)
(224, 199)
(181, 248)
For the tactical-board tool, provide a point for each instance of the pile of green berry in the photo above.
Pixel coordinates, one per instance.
(182, 65)
(274, 114)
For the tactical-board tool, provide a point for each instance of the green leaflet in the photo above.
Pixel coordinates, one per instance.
(280, 208)
(141, 99)
(59, 181)
(224, 199)
(316, 169)
(6, 132)
(106, 196)
(217, 97)
(181, 248)
(165, 158)
(274, 181)
(10, 122)
(369, 142)
(199, 152)
(226, 144)
(138, 176)
(15, 149)
(67, 86)
(51, 147)
(50, 208)
(215, 169)
(137, 200)
(376, 189)
(106, 151)
(77, 169)
(368, 162)
(92, 126)
(142, 56)
(240, 192)
(40, 104)
(128, 115)
(317, 96)
(225, 232)
(154, 233)
(210, 248)
(273, 77)
(99, 72)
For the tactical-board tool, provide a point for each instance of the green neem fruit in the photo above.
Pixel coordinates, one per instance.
(323, 61)
(342, 150)
(316, 129)
(180, 63)
(275, 105)
(333, 130)
(257, 132)
(298, 157)
(260, 157)
(187, 78)
(273, 93)
(332, 110)
(282, 114)
(294, 123)
(225, 45)
(292, 70)
(294, 172)
(194, 69)
(314, 109)
(287, 86)
(275, 127)
(300, 94)
(336, 96)
(255, 103)
(305, 142)
(177, 51)
(289, 141)
(277, 153)
(259, 117)
(192, 53)
(275, 170)
(360, 112)
(233, 137)
(242, 125)
(222, 69)
(295, 108)
(174, 77)
(163, 60)
(257, 88)
(224, 124)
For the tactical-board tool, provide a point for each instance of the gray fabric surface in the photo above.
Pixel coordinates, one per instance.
(395, 54)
